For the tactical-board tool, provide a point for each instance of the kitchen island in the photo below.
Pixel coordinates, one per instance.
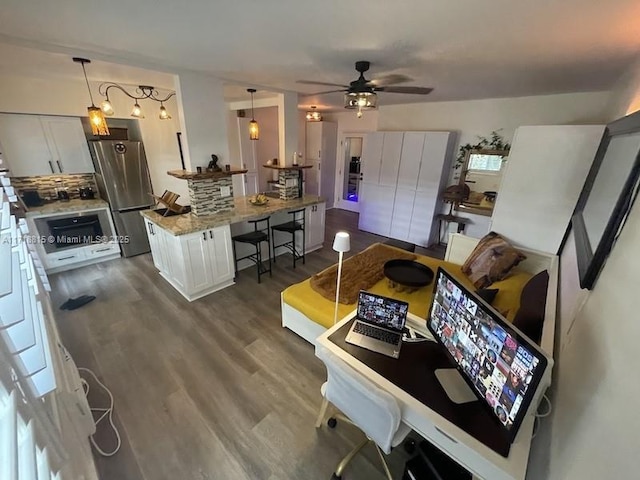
(194, 252)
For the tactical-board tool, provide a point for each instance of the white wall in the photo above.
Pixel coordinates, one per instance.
(59, 96)
(593, 432)
(473, 118)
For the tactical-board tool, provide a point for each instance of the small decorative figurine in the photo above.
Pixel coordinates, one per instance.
(213, 164)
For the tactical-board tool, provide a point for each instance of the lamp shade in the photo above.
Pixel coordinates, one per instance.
(254, 130)
(341, 242)
(97, 121)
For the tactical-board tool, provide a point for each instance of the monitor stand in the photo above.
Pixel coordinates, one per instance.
(454, 385)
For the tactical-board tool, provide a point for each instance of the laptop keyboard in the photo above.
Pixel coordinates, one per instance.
(377, 333)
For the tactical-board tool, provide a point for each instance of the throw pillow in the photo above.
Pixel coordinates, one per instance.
(487, 294)
(533, 300)
(491, 260)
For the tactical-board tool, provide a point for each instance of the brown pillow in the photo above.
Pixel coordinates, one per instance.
(533, 300)
(491, 260)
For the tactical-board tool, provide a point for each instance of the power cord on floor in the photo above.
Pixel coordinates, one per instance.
(106, 413)
(541, 415)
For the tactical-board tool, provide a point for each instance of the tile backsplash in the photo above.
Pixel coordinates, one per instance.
(46, 184)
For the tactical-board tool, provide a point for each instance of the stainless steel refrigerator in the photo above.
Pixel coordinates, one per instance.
(123, 180)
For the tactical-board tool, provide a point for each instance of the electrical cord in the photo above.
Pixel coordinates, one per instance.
(106, 413)
(548, 412)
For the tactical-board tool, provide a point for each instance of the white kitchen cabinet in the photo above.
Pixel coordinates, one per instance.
(157, 243)
(44, 145)
(321, 150)
(314, 226)
(196, 264)
(413, 169)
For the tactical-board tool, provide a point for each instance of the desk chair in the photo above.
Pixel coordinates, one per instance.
(365, 405)
(255, 238)
(296, 224)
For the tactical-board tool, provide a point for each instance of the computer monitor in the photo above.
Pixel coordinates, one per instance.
(505, 370)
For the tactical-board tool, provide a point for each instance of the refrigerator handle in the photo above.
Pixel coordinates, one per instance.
(59, 166)
(51, 167)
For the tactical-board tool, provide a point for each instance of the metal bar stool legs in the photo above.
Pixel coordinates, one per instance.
(296, 224)
(254, 238)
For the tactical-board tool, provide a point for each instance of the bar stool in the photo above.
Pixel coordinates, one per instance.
(255, 238)
(296, 224)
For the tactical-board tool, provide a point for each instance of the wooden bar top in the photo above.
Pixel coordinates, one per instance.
(204, 175)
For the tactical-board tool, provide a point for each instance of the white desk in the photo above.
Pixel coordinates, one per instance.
(475, 456)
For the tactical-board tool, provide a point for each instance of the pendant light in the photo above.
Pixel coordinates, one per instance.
(313, 115)
(254, 130)
(96, 116)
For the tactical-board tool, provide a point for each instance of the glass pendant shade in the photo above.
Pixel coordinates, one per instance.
(107, 108)
(254, 130)
(136, 111)
(97, 121)
(164, 115)
(313, 115)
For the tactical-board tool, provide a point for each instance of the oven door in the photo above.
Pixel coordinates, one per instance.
(77, 229)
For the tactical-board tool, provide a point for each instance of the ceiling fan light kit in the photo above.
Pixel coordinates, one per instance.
(361, 95)
(313, 115)
(96, 116)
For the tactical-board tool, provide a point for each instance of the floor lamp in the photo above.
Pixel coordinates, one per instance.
(341, 244)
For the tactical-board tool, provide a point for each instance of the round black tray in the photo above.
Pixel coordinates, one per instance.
(408, 273)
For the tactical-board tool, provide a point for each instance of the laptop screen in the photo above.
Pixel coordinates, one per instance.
(382, 311)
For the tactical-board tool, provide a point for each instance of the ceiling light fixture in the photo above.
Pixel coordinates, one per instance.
(254, 130)
(360, 101)
(314, 115)
(142, 92)
(96, 117)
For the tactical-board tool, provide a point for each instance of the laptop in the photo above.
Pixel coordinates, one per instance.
(378, 324)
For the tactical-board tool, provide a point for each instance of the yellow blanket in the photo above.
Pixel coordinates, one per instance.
(320, 310)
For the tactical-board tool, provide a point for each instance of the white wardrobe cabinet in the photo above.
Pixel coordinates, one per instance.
(44, 145)
(403, 175)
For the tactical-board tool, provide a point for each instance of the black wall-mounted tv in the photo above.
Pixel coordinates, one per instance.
(607, 196)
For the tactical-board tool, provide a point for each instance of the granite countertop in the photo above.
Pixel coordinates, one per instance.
(243, 211)
(74, 205)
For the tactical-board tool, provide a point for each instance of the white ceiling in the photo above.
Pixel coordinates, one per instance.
(464, 49)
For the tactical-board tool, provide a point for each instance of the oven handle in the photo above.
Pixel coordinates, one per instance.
(75, 225)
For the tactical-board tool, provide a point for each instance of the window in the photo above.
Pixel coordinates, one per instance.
(485, 163)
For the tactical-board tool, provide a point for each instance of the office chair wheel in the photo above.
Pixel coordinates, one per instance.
(409, 446)
(331, 423)
(335, 477)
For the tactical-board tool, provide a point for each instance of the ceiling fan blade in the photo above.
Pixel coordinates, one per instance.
(412, 90)
(322, 93)
(392, 79)
(311, 82)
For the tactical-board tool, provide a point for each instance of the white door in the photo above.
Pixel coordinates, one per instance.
(312, 178)
(314, 226)
(376, 208)
(434, 154)
(153, 243)
(327, 165)
(423, 230)
(251, 183)
(402, 211)
(220, 253)
(195, 250)
(391, 151)
(25, 149)
(412, 146)
(67, 144)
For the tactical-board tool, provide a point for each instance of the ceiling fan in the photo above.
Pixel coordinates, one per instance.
(360, 94)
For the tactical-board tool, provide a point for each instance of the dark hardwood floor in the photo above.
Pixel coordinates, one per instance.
(213, 389)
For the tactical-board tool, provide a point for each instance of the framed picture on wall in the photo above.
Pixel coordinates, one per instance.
(607, 196)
